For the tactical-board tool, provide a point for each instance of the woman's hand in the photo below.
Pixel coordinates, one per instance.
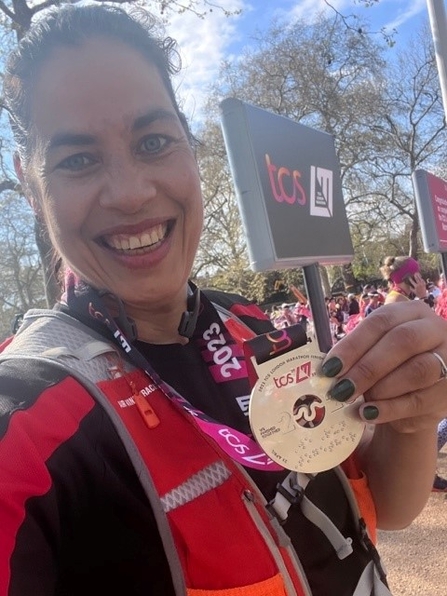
(389, 359)
(418, 286)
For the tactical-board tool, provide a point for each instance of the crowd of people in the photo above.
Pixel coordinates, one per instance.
(346, 310)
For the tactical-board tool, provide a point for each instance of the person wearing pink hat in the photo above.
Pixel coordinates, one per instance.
(404, 278)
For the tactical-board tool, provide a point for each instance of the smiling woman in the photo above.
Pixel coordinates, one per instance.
(124, 428)
(113, 174)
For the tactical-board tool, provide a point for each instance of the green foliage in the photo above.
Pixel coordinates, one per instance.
(263, 288)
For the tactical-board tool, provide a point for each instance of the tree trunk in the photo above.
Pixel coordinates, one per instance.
(414, 235)
(349, 278)
(325, 281)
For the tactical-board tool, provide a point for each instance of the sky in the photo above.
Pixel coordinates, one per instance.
(204, 43)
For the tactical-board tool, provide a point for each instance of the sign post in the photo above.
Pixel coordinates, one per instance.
(315, 295)
(290, 197)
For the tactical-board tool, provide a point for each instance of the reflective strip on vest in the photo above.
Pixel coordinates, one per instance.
(207, 479)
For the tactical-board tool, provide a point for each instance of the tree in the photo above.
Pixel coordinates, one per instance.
(353, 23)
(21, 285)
(321, 75)
(386, 117)
(222, 246)
(410, 135)
(18, 14)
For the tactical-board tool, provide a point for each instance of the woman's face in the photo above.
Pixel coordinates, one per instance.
(113, 173)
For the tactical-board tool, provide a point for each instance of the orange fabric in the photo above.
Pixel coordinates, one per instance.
(351, 468)
(363, 496)
(269, 587)
(366, 504)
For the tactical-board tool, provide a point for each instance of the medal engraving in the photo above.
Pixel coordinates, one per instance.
(295, 421)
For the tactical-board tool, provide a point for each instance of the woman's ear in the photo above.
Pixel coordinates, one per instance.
(21, 176)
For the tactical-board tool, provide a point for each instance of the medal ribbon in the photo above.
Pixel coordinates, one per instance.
(85, 301)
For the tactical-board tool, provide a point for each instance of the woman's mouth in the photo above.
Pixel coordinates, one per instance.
(137, 244)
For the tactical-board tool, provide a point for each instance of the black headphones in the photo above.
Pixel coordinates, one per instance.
(189, 318)
(187, 325)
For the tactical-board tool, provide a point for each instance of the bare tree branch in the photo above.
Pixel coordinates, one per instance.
(7, 11)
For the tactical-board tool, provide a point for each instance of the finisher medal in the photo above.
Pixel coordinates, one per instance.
(293, 419)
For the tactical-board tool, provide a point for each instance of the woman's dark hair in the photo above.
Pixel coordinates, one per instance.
(71, 25)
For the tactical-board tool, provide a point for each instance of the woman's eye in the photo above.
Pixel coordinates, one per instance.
(76, 162)
(153, 143)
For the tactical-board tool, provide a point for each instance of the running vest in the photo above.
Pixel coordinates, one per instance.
(238, 549)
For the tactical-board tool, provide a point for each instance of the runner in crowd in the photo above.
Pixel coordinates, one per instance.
(373, 303)
(353, 305)
(433, 293)
(440, 307)
(286, 317)
(364, 301)
(404, 279)
(406, 283)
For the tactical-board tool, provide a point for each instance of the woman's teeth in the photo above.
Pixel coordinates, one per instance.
(138, 241)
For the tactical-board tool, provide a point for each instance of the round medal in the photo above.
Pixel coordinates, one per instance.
(295, 421)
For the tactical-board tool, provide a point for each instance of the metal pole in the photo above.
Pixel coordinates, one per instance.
(438, 24)
(444, 265)
(318, 307)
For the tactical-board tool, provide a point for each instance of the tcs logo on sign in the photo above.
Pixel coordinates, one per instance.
(294, 193)
(286, 188)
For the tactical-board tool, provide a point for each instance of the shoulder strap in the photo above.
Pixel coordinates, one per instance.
(83, 356)
(292, 492)
(58, 337)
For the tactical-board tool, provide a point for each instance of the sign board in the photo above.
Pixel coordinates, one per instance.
(431, 201)
(288, 188)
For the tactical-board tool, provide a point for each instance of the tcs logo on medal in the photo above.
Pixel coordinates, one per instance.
(309, 411)
(299, 374)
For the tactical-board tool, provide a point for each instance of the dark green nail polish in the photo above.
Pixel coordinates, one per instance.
(332, 367)
(343, 390)
(370, 412)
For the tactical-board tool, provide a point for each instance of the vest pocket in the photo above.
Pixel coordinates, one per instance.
(269, 587)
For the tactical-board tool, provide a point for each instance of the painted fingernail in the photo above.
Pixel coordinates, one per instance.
(342, 390)
(332, 367)
(369, 412)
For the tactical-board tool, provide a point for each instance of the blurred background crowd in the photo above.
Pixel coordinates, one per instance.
(346, 310)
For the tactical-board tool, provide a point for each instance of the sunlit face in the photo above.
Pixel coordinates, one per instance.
(113, 172)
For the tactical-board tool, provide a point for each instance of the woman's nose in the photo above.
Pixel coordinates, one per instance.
(129, 184)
